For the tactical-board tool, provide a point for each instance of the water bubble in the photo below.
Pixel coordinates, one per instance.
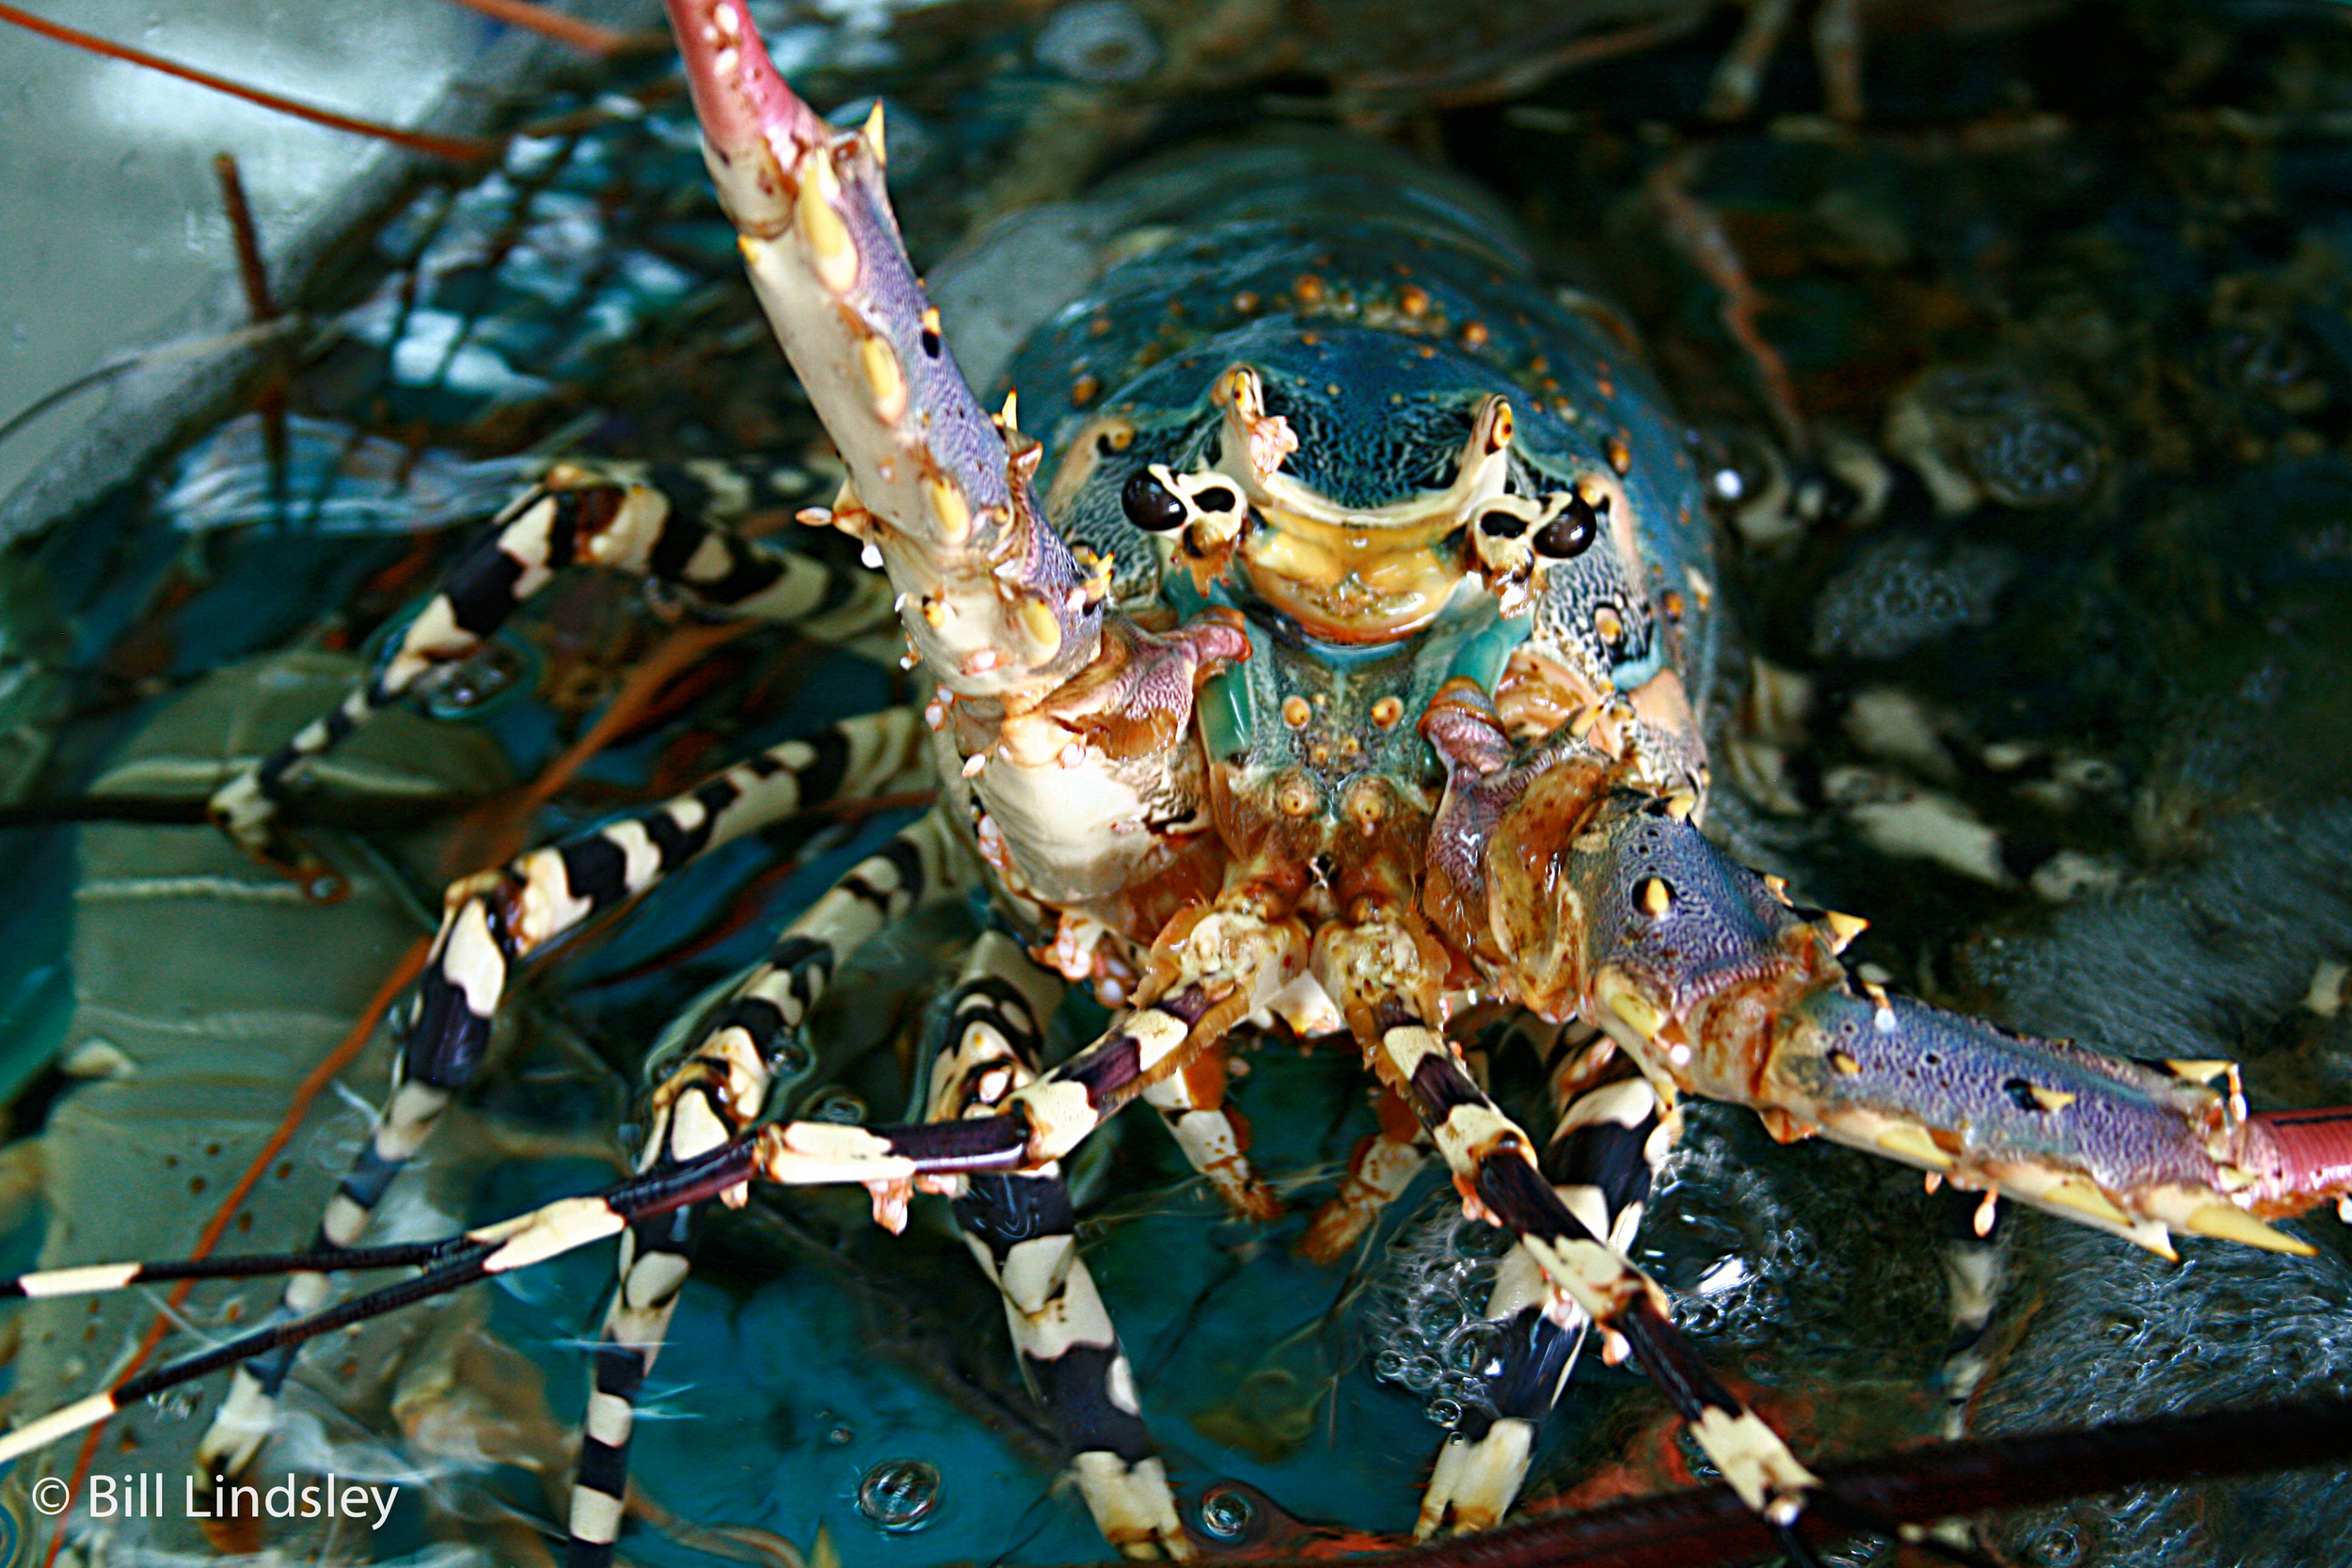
(175, 1404)
(1226, 1513)
(1434, 1317)
(476, 682)
(838, 1105)
(2058, 1546)
(2004, 430)
(900, 1494)
(1740, 466)
(1445, 1411)
(1425, 1328)
(1103, 41)
(793, 1057)
(838, 1432)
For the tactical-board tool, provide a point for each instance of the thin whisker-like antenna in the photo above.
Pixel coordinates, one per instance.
(457, 150)
(545, 1232)
(97, 1278)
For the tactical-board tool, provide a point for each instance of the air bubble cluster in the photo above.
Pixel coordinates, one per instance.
(1425, 1323)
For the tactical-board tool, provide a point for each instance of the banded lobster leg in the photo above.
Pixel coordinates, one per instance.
(1211, 969)
(1613, 1130)
(1022, 1231)
(661, 527)
(702, 1103)
(1387, 976)
(1214, 1137)
(496, 919)
(1217, 970)
(1382, 1166)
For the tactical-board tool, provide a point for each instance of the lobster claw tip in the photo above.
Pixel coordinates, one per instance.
(740, 96)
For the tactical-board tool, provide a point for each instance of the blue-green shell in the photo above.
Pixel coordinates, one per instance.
(1380, 302)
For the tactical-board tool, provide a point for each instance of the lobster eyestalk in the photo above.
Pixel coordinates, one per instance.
(1596, 896)
(991, 597)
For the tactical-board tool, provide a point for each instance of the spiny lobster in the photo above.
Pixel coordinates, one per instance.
(1325, 663)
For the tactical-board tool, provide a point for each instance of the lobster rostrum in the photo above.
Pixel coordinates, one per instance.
(1327, 659)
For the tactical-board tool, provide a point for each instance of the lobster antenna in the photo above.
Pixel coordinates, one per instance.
(99, 1278)
(457, 150)
(97, 1407)
(586, 36)
(545, 1232)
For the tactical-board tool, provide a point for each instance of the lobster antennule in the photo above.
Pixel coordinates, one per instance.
(993, 602)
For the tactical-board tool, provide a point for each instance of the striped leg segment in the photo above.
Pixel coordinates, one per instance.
(655, 1255)
(1022, 1230)
(702, 1102)
(1382, 1166)
(920, 865)
(1604, 1152)
(1042, 1122)
(657, 527)
(1388, 996)
(1221, 967)
(498, 918)
(1214, 1137)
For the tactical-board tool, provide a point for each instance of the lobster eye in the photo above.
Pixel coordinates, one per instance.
(1571, 533)
(1149, 505)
